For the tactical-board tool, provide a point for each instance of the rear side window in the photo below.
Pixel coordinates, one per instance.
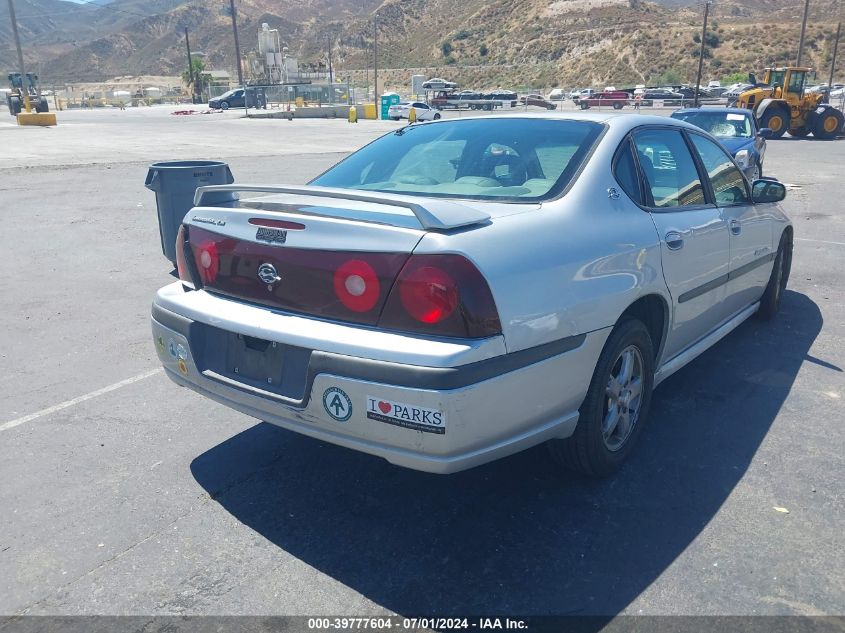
(669, 169)
(728, 182)
(625, 171)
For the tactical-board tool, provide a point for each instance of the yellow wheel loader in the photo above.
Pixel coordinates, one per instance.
(780, 104)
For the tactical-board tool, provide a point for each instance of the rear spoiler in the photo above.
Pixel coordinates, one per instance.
(434, 214)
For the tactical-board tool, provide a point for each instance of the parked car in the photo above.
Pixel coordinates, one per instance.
(733, 92)
(663, 95)
(557, 94)
(507, 97)
(423, 111)
(538, 101)
(235, 99)
(736, 129)
(468, 288)
(584, 94)
(436, 83)
(688, 92)
(615, 99)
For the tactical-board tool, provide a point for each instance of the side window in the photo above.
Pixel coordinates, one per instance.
(796, 82)
(625, 171)
(668, 168)
(728, 182)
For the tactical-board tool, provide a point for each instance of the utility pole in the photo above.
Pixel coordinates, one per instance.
(375, 63)
(24, 83)
(701, 54)
(190, 68)
(331, 80)
(833, 63)
(237, 45)
(803, 28)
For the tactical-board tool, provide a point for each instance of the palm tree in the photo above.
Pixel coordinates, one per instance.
(193, 78)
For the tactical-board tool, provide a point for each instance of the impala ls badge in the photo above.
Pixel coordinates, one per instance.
(267, 273)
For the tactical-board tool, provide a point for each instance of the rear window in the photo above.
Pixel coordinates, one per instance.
(719, 124)
(511, 159)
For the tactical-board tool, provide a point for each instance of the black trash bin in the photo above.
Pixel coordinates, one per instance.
(175, 183)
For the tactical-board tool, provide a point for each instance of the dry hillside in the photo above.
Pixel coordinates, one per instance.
(480, 43)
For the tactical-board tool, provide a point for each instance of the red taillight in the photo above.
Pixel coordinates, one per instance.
(428, 294)
(181, 259)
(356, 285)
(441, 294)
(208, 261)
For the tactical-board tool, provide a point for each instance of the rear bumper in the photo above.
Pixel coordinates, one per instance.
(430, 418)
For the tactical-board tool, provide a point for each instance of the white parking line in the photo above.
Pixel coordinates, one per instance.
(807, 239)
(69, 403)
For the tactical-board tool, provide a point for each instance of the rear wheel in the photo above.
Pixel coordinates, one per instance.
(776, 120)
(799, 132)
(617, 105)
(224, 105)
(612, 415)
(828, 124)
(770, 301)
(436, 116)
(14, 106)
(584, 105)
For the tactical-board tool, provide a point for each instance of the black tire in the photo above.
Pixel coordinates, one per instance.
(14, 106)
(799, 132)
(584, 105)
(828, 124)
(43, 105)
(770, 301)
(436, 116)
(777, 120)
(617, 105)
(587, 451)
(224, 105)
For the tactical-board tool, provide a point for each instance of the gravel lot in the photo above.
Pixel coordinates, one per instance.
(124, 494)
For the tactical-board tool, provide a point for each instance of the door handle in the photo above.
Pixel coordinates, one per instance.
(674, 241)
(736, 227)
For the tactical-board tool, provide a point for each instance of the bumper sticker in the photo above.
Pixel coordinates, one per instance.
(408, 416)
(337, 404)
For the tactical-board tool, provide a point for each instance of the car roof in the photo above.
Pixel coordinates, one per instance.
(717, 109)
(612, 119)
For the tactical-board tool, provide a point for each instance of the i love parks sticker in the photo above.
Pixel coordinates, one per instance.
(408, 416)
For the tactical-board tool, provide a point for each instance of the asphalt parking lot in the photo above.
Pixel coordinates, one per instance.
(124, 494)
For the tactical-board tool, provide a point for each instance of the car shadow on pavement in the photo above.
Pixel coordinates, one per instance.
(518, 536)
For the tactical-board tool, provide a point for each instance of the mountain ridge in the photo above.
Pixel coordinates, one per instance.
(484, 42)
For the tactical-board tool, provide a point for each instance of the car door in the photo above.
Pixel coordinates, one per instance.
(751, 226)
(694, 241)
(422, 110)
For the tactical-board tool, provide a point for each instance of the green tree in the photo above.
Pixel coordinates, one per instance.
(198, 84)
(446, 47)
(735, 78)
(669, 77)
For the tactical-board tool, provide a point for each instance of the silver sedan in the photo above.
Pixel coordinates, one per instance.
(460, 290)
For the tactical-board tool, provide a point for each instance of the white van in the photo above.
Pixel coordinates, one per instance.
(557, 94)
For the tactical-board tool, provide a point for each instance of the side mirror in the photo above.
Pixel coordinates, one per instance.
(764, 190)
(766, 132)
